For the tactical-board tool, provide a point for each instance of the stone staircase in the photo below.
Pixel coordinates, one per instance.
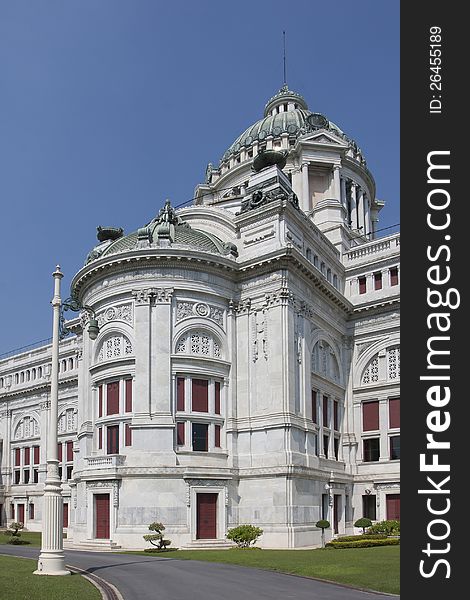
(95, 545)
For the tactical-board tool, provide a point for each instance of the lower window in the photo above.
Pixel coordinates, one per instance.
(394, 447)
(369, 507)
(371, 450)
(200, 437)
(113, 439)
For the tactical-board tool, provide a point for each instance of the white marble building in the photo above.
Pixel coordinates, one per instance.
(247, 367)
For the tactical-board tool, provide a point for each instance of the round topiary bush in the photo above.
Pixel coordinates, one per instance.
(322, 524)
(363, 522)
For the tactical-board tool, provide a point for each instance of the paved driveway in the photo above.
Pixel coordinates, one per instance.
(142, 578)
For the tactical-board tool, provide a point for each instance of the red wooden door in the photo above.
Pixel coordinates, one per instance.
(66, 515)
(102, 516)
(206, 516)
(20, 513)
(393, 506)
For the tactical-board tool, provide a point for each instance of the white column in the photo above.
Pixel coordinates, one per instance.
(337, 183)
(353, 206)
(51, 559)
(374, 222)
(366, 216)
(331, 448)
(360, 208)
(305, 189)
(343, 193)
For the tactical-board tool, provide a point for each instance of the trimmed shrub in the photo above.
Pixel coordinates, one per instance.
(363, 522)
(364, 543)
(322, 524)
(361, 536)
(17, 541)
(244, 535)
(156, 539)
(15, 535)
(387, 527)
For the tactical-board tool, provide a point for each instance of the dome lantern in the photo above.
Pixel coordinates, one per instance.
(284, 101)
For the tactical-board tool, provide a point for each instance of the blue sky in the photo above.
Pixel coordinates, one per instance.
(109, 107)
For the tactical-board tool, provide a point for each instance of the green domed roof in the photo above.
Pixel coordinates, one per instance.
(167, 227)
(294, 122)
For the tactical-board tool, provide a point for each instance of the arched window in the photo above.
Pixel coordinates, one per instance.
(67, 421)
(28, 427)
(384, 366)
(324, 361)
(115, 346)
(199, 343)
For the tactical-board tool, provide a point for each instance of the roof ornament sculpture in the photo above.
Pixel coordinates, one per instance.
(166, 221)
(261, 198)
(268, 158)
(106, 236)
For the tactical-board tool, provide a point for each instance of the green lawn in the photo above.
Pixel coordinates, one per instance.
(17, 582)
(367, 568)
(33, 537)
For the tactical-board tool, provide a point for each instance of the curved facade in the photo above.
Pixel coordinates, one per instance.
(247, 365)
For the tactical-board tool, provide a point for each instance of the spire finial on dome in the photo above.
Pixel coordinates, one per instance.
(284, 42)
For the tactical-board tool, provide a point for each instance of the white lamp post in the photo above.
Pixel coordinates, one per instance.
(51, 559)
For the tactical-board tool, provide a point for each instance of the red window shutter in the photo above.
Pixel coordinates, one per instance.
(17, 457)
(128, 395)
(36, 455)
(362, 285)
(27, 455)
(325, 411)
(314, 406)
(100, 401)
(217, 436)
(69, 448)
(65, 514)
(59, 451)
(180, 393)
(335, 415)
(394, 276)
(217, 398)
(112, 393)
(100, 438)
(378, 281)
(394, 412)
(180, 434)
(128, 435)
(200, 396)
(370, 416)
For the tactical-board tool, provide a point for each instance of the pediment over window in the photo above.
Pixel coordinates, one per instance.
(324, 137)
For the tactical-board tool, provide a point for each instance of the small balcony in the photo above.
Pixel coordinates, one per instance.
(110, 461)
